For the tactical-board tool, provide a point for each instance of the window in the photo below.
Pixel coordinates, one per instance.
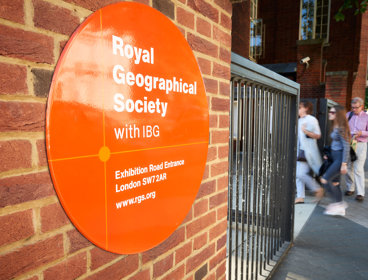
(314, 19)
(256, 32)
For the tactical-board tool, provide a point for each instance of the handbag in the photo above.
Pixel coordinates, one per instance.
(353, 155)
(353, 144)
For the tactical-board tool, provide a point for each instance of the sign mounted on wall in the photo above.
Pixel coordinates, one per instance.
(127, 128)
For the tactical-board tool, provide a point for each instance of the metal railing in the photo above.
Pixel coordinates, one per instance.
(262, 160)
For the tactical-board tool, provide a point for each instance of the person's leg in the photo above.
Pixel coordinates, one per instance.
(349, 179)
(300, 171)
(359, 168)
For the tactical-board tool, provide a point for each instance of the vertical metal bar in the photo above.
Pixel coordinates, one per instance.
(230, 181)
(268, 181)
(263, 180)
(271, 177)
(279, 163)
(244, 168)
(260, 177)
(255, 178)
(283, 169)
(249, 173)
(237, 157)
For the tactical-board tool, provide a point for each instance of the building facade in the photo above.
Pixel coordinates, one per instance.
(37, 240)
(281, 33)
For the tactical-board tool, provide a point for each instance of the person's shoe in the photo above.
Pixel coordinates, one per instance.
(299, 200)
(349, 193)
(359, 198)
(335, 210)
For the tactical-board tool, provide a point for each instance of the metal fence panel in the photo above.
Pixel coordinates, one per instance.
(262, 160)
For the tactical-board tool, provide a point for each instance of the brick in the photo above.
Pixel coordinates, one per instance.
(16, 227)
(184, 17)
(42, 82)
(26, 45)
(12, 10)
(224, 121)
(200, 241)
(92, 5)
(222, 183)
(100, 257)
(177, 274)
(200, 224)
(211, 154)
(190, 277)
(199, 258)
(221, 71)
(71, 268)
(162, 266)
(206, 189)
(211, 276)
(203, 27)
(52, 217)
(29, 257)
(219, 168)
(225, 56)
(221, 242)
(165, 6)
(225, 21)
(41, 150)
(223, 152)
(22, 116)
(220, 104)
(226, 5)
(15, 154)
(221, 212)
(222, 37)
(204, 65)
(218, 230)
(200, 207)
(174, 240)
(183, 252)
(218, 258)
(211, 85)
(201, 273)
(205, 9)
(143, 275)
(118, 270)
(54, 18)
(77, 241)
(19, 189)
(218, 199)
(221, 270)
(202, 45)
(219, 137)
(13, 79)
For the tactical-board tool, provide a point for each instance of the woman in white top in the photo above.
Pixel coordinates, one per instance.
(308, 155)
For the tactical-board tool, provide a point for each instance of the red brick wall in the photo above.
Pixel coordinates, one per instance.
(37, 240)
(240, 34)
(281, 19)
(310, 75)
(337, 86)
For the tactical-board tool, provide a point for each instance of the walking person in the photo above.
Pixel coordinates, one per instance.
(339, 152)
(358, 123)
(308, 155)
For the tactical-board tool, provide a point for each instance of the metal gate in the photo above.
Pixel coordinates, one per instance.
(262, 160)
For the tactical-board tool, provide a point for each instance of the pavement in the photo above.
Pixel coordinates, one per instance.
(328, 247)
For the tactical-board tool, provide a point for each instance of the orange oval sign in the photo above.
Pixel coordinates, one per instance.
(127, 128)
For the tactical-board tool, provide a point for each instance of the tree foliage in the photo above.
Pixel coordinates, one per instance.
(359, 7)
